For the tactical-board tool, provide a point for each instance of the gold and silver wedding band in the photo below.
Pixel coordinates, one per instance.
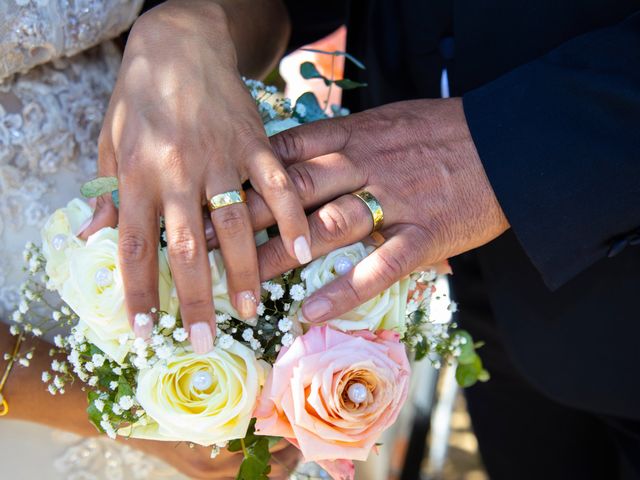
(374, 207)
(227, 198)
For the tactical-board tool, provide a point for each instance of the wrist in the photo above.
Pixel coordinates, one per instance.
(200, 26)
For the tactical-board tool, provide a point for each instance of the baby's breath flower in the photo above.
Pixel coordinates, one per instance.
(116, 409)
(222, 317)
(125, 402)
(453, 307)
(247, 335)
(287, 339)
(14, 330)
(93, 381)
(36, 332)
(46, 376)
(16, 316)
(89, 367)
(285, 324)
(99, 404)
(24, 362)
(255, 343)
(58, 381)
(180, 334)
(98, 360)
(260, 309)
(225, 341)
(142, 319)
(167, 321)
(164, 352)
(57, 340)
(297, 292)
(117, 371)
(56, 315)
(123, 338)
(52, 389)
(65, 310)
(113, 385)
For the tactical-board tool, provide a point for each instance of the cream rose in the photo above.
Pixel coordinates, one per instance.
(59, 237)
(386, 311)
(204, 399)
(95, 292)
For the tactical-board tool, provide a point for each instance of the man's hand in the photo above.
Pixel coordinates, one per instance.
(418, 158)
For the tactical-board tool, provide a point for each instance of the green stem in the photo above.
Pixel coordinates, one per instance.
(244, 448)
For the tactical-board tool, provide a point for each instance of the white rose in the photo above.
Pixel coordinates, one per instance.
(95, 292)
(204, 399)
(386, 311)
(59, 237)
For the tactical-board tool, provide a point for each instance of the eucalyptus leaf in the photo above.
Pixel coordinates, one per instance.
(337, 53)
(347, 84)
(468, 374)
(308, 70)
(313, 111)
(99, 186)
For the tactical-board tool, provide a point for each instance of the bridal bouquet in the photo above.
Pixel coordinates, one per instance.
(330, 390)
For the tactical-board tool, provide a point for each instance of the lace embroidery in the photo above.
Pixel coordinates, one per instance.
(50, 119)
(33, 32)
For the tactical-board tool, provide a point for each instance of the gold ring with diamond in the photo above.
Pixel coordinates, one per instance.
(374, 207)
(227, 198)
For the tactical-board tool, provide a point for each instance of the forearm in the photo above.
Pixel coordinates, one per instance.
(251, 33)
(28, 397)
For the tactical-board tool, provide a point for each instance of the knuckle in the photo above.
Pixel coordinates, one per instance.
(196, 305)
(391, 267)
(303, 183)
(352, 295)
(276, 183)
(333, 225)
(183, 246)
(288, 145)
(230, 221)
(274, 258)
(133, 246)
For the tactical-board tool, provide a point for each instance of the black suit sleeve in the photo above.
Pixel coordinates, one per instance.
(312, 20)
(559, 139)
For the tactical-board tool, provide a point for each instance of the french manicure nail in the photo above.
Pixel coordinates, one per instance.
(201, 338)
(302, 250)
(246, 303)
(142, 325)
(315, 309)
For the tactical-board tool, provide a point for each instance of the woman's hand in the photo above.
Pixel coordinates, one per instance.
(181, 127)
(418, 159)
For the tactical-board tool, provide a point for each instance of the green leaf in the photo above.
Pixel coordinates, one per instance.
(308, 70)
(347, 84)
(313, 110)
(467, 350)
(337, 53)
(252, 468)
(95, 416)
(99, 186)
(469, 373)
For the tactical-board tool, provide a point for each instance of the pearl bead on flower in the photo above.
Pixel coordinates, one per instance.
(357, 393)
(103, 277)
(202, 380)
(59, 241)
(342, 265)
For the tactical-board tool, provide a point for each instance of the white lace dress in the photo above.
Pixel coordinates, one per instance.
(57, 71)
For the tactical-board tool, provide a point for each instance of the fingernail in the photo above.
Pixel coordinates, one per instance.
(209, 232)
(142, 325)
(201, 338)
(315, 309)
(246, 304)
(84, 226)
(302, 250)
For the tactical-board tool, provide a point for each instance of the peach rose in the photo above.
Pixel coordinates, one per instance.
(332, 394)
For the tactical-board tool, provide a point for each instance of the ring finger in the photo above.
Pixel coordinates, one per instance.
(235, 235)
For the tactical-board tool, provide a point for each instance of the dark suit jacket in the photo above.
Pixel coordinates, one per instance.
(551, 92)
